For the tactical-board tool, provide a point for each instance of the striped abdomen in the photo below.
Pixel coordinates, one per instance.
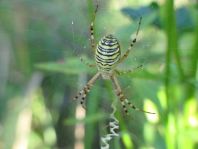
(107, 55)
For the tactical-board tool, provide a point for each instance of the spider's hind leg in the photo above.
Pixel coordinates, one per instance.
(123, 99)
(83, 93)
(135, 108)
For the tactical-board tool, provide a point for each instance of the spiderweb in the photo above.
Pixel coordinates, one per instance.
(113, 126)
(68, 37)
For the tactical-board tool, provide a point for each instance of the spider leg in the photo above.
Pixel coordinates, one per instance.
(121, 72)
(132, 43)
(135, 108)
(123, 99)
(119, 93)
(83, 93)
(92, 38)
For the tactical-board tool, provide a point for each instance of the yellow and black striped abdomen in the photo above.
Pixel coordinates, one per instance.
(107, 54)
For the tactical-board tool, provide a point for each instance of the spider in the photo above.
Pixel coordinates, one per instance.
(107, 57)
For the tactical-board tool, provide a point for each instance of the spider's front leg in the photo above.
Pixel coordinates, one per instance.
(92, 38)
(132, 43)
(124, 101)
(83, 93)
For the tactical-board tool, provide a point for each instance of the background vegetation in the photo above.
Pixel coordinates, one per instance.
(40, 72)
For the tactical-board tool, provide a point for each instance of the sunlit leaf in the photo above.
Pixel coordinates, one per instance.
(151, 107)
(127, 140)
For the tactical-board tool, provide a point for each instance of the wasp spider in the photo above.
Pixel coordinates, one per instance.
(107, 57)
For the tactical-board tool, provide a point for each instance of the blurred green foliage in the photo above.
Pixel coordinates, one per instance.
(40, 72)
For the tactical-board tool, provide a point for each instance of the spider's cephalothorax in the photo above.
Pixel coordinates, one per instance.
(107, 55)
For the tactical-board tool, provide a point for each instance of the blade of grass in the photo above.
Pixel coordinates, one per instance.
(172, 47)
(171, 44)
(193, 63)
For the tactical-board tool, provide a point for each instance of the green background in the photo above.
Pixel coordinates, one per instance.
(41, 43)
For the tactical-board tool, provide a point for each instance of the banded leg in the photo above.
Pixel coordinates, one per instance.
(92, 38)
(124, 101)
(132, 42)
(83, 93)
(121, 72)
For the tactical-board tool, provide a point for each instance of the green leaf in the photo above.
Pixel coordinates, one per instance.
(70, 66)
(88, 119)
